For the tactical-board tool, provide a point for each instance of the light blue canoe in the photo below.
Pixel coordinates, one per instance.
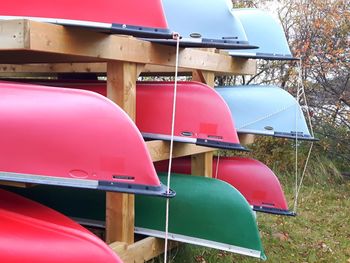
(264, 31)
(266, 110)
(204, 24)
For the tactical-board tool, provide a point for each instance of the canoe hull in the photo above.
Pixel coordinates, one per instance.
(254, 180)
(31, 232)
(208, 123)
(272, 43)
(48, 137)
(223, 30)
(207, 212)
(272, 111)
(133, 17)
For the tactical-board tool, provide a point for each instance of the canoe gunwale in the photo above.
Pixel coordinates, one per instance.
(274, 211)
(88, 184)
(285, 135)
(201, 242)
(112, 28)
(197, 141)
(265, 56)
(206, 43)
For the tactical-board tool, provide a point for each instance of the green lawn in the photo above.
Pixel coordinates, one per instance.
(319, 233)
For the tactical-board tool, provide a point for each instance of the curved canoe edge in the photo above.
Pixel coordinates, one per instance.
(266, 56)
(202, 242)
(89, 184)
(147, 33)
(202, 202)
(221, 145)
(274, 211)
(197, 141)
(285, 135)
(205, 43)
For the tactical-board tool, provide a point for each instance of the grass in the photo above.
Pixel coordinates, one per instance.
(319, 233)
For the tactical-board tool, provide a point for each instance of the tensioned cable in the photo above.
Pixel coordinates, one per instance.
(301, 92)
(217, 166)
(176, 36)
(312, 134)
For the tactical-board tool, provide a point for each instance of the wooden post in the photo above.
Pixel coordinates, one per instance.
(202, 164)
(120, 214)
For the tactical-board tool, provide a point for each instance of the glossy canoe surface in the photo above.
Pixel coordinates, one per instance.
(72, 138)
(205, 212)
(135, 17)
(202, 116)
(205, 25)
(266, 110)
(253, 179)
(31, 232)
(264, 31)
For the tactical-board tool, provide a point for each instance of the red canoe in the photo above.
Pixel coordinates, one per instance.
(31, 232)
(72, 138)
(202, 116)
(135, 17)
(256, 182)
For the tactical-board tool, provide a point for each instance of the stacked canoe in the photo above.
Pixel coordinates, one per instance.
(70, 140)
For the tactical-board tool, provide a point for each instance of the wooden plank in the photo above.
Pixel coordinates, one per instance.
(45, 42)
(206, 77)
(141, 251)
(246, 138)
(120, 214)
(202, 164)
(17, 184)
(159, 150)
(92, 67)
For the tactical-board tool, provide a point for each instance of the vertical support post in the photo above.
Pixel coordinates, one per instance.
(120, 214)
(202, 164)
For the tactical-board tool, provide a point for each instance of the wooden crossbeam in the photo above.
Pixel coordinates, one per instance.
(35, 42)
(141, 251)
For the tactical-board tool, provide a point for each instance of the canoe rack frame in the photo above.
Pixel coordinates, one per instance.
(30, 49)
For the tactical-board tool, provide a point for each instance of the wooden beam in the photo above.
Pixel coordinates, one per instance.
(141, 251)
(38, 42)
(120, 214)
(93, 67)
(159, 150)
(246, 138)
(202, 164)
(205, 77)
(17, 184)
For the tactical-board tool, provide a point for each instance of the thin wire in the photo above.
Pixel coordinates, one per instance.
(217, 166)
(177, 38)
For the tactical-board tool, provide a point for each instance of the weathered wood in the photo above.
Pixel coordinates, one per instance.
(92, 67)
(120, 214)
(206, 77)
(246, 138)
(142, 250)
(44, 42)
(17, 184)
(159, 150)
(202, 164)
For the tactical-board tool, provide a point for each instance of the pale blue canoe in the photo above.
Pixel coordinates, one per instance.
(204, 24)
(264, 31)
(266, 110)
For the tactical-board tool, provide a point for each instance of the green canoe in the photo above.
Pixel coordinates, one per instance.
(205, 211)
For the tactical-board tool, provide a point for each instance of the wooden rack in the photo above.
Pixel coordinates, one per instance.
(34, 47)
